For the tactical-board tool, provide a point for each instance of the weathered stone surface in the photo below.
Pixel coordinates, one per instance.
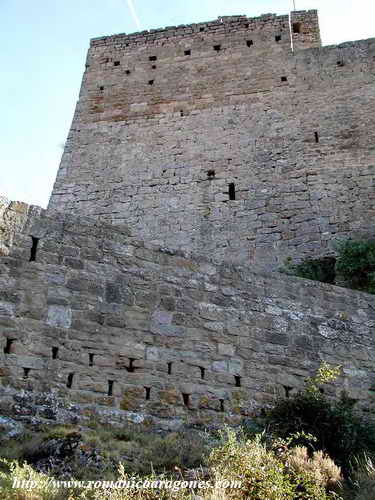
(13, 218)
(269, 158)
(59, 316)
(9, 428)
(236, 339)
(182, 325)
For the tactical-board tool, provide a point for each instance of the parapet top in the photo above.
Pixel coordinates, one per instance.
(188, 29)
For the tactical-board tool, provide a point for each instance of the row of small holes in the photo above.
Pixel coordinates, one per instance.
(185, 396)
(130, 368)
(237, 378)
(151, 82)
(283, 78)
(187, 52)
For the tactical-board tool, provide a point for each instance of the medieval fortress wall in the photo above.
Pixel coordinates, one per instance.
(145, 289)
(14, 217)
(108, 323)
(217, 139)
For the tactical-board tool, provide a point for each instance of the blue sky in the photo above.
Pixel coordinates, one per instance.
(44, 45)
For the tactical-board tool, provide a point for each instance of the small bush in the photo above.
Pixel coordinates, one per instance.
(356, 264)
(266, 475)
(339, 430)
(319, 466)
(144, 452)
(315, 269)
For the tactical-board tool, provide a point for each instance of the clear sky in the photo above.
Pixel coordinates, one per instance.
(42, 57)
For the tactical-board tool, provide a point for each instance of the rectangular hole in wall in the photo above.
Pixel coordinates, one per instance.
(201, 29)
(170, 368)
(130, 368)
(34, 249)
(8, 346)
(249, 43)
(277, 38)
(116, 63)
(101, 87)
(203, 372)
(55, 352)
(211, 174)
(284, 79)
(237, 380)
(26, 372)
(148, 392)
(151, 82)
(152, 58)
(221, 404)
(217, 48)
(232, 191)
(316, 137)
(110, 387)
(247, 25)
(186, 399)
(188, 52)
(69, 382)
(91, 359)
(297, 27)
(127, 72)
(287, 390)
(153, 66)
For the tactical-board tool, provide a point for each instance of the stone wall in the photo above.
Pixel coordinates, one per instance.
(224, 142)
(104, 321)
(13, 217)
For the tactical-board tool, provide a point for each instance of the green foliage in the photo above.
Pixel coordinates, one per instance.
(12, 470)
(42, 489)
(266, 471)
(145, 451)
(355, 264)
(324, 375)
(270, 473)
(339, 430)
(313, 269)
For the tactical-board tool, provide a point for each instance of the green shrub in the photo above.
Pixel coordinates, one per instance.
(267, 475)
(143, 451)
(339, 430)
(312, 269)
(355, 264)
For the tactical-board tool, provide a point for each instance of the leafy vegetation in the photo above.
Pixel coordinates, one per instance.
(356, 264)
(276, 472)
(307, 447)
(338, 429)
(313, 269)
(353, 267)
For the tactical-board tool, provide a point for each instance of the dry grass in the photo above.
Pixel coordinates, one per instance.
(319, 466)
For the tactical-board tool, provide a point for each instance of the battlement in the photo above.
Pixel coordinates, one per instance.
(305, 26)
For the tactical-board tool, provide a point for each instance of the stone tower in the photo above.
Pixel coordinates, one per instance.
(240, 139)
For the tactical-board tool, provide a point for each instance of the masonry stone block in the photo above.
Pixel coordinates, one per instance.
(59, 316)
